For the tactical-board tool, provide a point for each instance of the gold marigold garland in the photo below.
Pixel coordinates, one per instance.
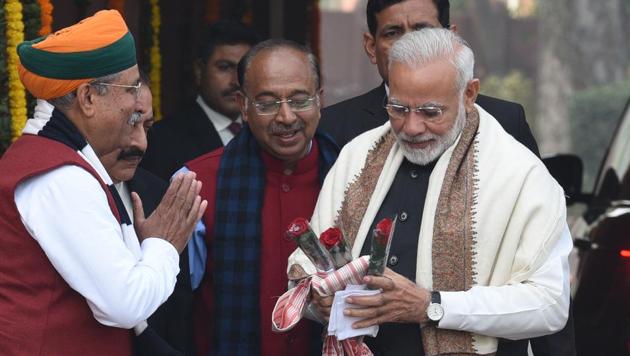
(17, 95)
(156, 60)
(46, 9)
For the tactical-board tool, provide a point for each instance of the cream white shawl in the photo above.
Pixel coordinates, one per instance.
(518, 214)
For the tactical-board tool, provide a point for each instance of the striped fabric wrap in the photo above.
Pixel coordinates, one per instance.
(291, 306)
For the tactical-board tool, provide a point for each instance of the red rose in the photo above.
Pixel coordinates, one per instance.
(297, 228)
(382, 231)
(331, 237)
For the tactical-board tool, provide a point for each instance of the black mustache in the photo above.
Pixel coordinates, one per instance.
(131, 153)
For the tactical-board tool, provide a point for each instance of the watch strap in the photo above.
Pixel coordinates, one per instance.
(435, 297)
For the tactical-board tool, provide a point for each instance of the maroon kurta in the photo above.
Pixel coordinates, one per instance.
(288, 194)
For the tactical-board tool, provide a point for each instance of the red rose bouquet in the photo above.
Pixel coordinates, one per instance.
(300, 231)
(381, 241)
(335, 243)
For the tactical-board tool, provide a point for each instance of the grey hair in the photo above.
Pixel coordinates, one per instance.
(64, 102)
(417, 48)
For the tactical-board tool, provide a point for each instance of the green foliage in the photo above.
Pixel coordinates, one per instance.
(5, 117)
(32, 24)
(457, 5)
(594, 114)
(513, 87)
(32, 18)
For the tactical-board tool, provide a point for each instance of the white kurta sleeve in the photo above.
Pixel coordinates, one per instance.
(66, 211)
(536, 307)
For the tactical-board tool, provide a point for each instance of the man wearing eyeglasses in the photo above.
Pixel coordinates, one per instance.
(73, 278)
(480, 250)
(268, 175)
(387, 21)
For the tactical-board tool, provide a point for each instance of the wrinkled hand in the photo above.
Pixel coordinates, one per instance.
(175, 218)
(401, 301)
(322, 304)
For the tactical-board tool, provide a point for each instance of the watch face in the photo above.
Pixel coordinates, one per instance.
(435, 312)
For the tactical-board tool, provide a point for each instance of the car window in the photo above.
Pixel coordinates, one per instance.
(614, 179)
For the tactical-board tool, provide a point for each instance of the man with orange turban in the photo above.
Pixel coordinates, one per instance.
(73, 279)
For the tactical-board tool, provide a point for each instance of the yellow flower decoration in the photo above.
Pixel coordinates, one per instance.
(156, 60)
(17, 95)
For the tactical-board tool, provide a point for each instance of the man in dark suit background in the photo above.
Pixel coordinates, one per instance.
(387, 21)
(214, 118)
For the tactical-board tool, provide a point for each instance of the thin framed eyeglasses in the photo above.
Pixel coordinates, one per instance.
(429, 112)
(272, 107)
(132, 89)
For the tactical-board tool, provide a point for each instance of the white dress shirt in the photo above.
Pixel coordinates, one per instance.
(67, 212)
(518, 311)
(220, 121)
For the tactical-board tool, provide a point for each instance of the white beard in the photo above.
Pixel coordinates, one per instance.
(439, 144)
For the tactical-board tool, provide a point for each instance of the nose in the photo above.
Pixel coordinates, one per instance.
(234, 78)
(414, 124)
(139, 137)
(285, 114)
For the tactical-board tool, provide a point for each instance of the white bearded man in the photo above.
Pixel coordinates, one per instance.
(481, 246)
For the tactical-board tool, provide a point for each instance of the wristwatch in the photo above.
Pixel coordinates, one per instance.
(435, 312)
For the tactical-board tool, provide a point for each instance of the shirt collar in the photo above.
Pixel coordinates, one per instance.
(305, 164)
(220, 121)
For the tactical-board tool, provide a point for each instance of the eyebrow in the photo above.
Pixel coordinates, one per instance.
(292, 94)
(391, 27)
(395, 101)
(225, 61)
(415, 26)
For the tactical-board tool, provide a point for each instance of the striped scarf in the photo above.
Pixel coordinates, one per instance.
(237, 235)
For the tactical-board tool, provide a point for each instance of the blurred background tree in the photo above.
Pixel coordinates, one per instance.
(515, 86)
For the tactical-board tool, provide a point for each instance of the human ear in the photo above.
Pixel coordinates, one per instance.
(85, 99)
(369, 45)
(470, 94)
(241, 100)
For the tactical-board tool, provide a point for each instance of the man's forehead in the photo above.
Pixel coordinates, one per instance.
(411, 13)
(228, 51)
(280, 73)
(424, 82)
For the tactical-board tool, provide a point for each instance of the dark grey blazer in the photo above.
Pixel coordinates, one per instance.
(178, 139)
(170, 327)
